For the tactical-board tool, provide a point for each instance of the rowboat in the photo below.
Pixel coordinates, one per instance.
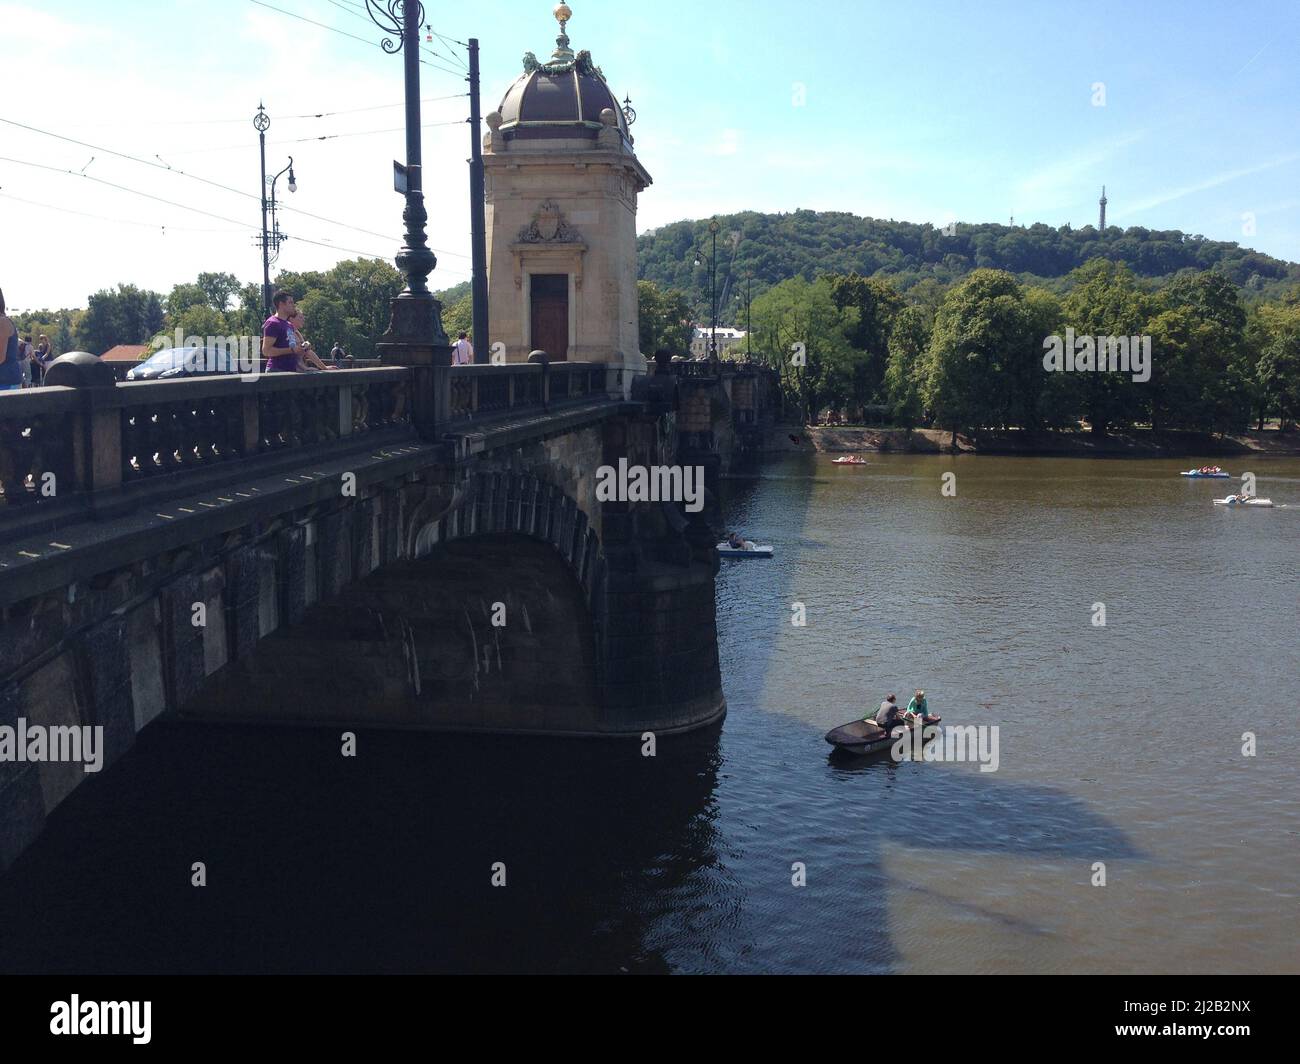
(1211, 476)
(728, 551)
(1232, 500)
(849, 459)
(862, 737)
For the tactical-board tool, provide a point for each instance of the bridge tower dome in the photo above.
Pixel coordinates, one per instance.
(561, 185)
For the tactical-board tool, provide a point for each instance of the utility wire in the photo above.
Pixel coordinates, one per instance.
(123, 188)
(181, 206)
(278, 118)
(192, 177)
(123, 221)
(325, 136)
(353, 8)
(209, 214)
(335, 29)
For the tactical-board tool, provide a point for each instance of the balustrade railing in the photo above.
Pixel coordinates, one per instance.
(484, 391)
(72, 447)
(104, 449)
(36, 445)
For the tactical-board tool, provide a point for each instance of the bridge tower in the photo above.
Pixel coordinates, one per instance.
(561, 186)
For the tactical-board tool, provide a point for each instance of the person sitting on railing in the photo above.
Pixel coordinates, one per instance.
(308, 359)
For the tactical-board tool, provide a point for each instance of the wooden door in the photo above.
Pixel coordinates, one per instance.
(550, 314)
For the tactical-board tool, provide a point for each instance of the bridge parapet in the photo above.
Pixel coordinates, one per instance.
(71, 453)
(490, 390)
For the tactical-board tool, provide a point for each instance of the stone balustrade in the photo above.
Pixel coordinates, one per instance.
(99, 449)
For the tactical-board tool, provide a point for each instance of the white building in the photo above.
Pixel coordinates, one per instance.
(726, 337)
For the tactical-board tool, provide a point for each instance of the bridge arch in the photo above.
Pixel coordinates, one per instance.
(523, 504)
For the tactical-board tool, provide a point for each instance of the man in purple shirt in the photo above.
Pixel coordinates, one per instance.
(279, 342)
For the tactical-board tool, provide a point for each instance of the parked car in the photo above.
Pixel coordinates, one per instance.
(173, 362)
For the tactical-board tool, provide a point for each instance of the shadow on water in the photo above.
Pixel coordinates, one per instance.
(383, 862)
(613, 861)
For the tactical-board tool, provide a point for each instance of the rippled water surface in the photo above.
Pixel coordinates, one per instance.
(1118, 745)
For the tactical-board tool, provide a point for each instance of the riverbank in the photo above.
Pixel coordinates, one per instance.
(1132, 443)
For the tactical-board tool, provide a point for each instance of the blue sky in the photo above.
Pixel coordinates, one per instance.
(918, 111)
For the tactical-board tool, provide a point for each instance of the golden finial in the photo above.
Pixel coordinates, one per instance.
(562, 13)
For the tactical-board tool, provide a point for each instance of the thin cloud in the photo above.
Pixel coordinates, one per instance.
(1050, 182)
(1169, 195)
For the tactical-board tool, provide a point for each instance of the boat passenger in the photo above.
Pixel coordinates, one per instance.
(917, 707)
(734, 541)
(889, 716)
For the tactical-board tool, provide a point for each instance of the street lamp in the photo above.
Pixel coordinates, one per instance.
(417, 316)
(272, 238)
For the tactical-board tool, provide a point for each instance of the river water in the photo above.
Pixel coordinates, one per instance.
(1120, 752)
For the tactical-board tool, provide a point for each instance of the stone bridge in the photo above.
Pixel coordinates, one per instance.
(405, 546)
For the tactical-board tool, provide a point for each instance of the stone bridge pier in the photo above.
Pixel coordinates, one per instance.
(516, 602)
(405, 546)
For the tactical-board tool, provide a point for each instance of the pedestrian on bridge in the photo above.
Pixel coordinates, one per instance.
(462, 352)
(279, 343)
(11, 370)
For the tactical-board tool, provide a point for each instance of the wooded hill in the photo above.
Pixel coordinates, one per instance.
(806, 244)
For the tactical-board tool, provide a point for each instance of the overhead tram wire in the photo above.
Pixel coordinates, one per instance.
(345, 33)
(124, 221)
(194, 177)
(182, 206)
(324, 136)
(278, 118)
(355, 9)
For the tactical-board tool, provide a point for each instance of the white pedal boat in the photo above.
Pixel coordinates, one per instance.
(1232, 500)
(728, 551)
(1209, 476)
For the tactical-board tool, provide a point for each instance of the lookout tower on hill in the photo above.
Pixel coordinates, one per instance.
(1101, 224)
(561, 183)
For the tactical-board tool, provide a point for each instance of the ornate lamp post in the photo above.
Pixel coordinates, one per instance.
(271, 239)
(416, 315)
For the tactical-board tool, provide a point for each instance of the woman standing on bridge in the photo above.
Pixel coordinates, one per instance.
(11, 369)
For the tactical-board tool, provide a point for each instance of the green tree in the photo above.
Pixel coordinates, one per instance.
(219, 289)
(876, 304)
(982, 332)
(1105, 301)
(800, 323)
(905, 373)
(663, 318)
(328, 323)
(202, 321)
(458, 317)
(1039, 399)
(181, 298)
(1212, 369)
(127, 315)
(1278, 369)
